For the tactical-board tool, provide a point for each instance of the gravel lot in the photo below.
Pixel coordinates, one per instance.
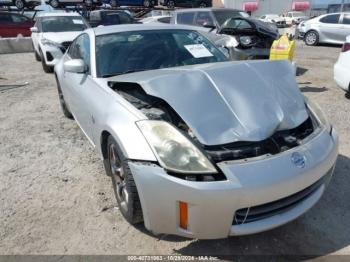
(55, 198)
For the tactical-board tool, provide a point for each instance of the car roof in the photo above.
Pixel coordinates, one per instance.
(58, 14)
(105, 30)
(207, 9)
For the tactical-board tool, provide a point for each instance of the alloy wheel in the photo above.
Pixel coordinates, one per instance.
(311, 38)
(119, 183)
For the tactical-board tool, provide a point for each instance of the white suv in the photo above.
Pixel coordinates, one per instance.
(52, 34)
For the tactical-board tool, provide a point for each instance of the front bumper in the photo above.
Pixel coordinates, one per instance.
(51, 54)
(252, 182)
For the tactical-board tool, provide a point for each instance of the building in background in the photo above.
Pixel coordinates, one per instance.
(261, 7)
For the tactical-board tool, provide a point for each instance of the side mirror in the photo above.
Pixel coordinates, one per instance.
(75, 66)
(209, 25)
(34, 29)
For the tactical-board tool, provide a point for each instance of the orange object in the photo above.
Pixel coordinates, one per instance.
(183, 206)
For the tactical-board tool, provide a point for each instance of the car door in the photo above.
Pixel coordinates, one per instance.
(345, 31)
(330, 28)
(80, 85)
(20, 24)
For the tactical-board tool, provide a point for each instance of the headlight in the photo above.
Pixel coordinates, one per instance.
(173, 150)
(48, 42)
(318, 114)
(246, 41)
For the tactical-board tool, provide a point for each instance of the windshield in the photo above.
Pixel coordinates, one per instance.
(127, 52)
(223, 15)
(63, 24)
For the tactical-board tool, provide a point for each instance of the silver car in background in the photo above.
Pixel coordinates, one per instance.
(328, 28)
(196, 145)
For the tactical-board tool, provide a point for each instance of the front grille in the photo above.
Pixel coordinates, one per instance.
(277, 143)
(255, 213)
(64, 46)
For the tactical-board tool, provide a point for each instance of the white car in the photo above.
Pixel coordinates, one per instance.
(274, 18)
(342, 67)
(52, 34)
(295, 17)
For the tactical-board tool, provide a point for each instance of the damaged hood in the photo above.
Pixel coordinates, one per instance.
(228, 102)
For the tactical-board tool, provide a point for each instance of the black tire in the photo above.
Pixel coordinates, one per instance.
(47, 69)
(54, 3)
(117, 167)
(147, 3)
(20, 4)
(170, 4)
(63, 103)
(37, 56)
(311, 38)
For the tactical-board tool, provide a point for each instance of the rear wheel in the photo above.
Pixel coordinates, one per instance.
(311, 38)
(124, 186)
(19, 4)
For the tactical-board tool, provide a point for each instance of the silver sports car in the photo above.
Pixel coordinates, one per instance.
(196, 145)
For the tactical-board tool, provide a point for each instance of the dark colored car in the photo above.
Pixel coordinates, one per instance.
(186, 3)
(254, 38)
(12, 25)
(145, 3)
(110, 17)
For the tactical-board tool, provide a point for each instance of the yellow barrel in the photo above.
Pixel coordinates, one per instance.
(282, 49)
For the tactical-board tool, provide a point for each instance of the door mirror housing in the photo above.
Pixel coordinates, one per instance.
(75, 66)
(209, 25)
(34, 29)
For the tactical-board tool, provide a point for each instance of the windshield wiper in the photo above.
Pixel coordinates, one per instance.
(123, 73)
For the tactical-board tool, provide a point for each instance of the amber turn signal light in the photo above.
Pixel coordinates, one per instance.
(183, 207)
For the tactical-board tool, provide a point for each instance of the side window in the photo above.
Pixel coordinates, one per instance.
(203, 18)
(346, 19)
(330, 19)
(18, 19)
(290, 15)
(80, 49)
(5, 18)
(185, 18)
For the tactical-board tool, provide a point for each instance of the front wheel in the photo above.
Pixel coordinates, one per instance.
(124, 186)
(311, 38)
(63, 104)
(46, 68)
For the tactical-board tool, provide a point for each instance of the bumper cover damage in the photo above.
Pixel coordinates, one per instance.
(251, 182)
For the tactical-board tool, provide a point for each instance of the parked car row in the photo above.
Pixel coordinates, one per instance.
(31, 4)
